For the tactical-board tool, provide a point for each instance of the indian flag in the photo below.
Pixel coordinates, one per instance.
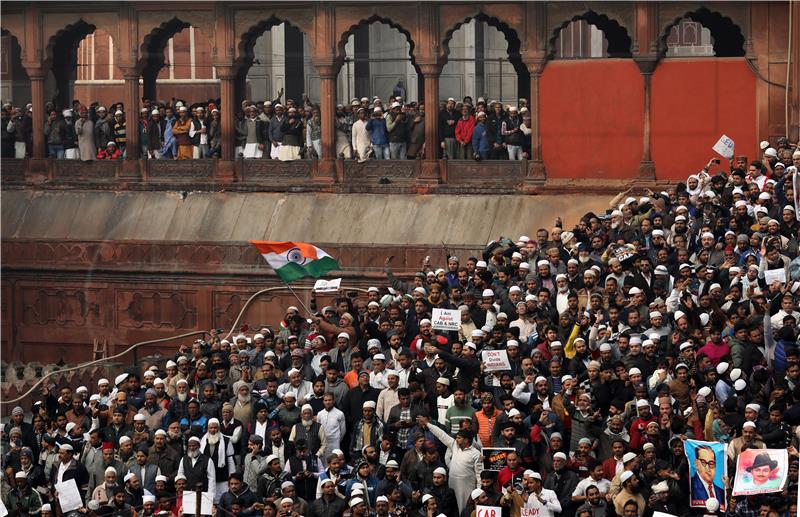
(293, 260)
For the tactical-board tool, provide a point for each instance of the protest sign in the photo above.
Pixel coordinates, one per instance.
(761, 471)
(495, 360)
(488, 511)
(327, 286)
(494, 458)
(775, 275)
(190, 503)
(796, 194)
(724, 147)
(706, 470)
(69, 498)
(446, 319)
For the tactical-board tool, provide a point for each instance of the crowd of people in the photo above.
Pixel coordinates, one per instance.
(673, 315)
(365, 129)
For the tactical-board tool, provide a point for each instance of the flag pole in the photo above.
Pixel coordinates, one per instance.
(298, 298)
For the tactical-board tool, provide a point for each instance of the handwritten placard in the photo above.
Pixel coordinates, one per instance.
(69, 498)
(488, 511)
(495, 360)
(775, 275)
(446, 319)
(724, 147)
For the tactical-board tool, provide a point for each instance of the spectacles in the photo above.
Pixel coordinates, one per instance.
(707, 464)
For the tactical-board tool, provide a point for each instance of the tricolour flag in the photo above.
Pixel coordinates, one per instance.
(293, 260)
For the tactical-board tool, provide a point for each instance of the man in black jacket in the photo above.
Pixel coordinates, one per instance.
(329, 505)
(68, 468)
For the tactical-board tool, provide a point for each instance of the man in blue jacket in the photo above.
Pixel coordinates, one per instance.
(378, 134)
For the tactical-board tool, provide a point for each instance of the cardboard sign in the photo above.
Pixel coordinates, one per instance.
(69, 498)
(495, 360)
(529, 512)
(327, 286)
(494, 458)
(446, 319)
(775, 275)
(624, 253)
(488, 511)
(761, 471)
(190, 503)
(724, 147)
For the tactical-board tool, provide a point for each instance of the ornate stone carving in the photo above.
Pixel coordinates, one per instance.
(153, 309)
(377, 169)
(64, 307)
(78, 170)
(180, 170)
(270, 170)
(485, 171)
(13, 170)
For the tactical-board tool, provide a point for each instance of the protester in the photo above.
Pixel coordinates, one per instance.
(671, 316)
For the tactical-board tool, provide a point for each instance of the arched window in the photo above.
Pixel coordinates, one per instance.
(15, 87)
(588, 36)
(483, 61)
(378, 61)
(689, 38)
(277, 57)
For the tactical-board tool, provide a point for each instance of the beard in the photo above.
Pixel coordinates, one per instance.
(244, 399)
(173, 435)
(213, 439)
(307, 423)
(583, 260)
(182, 397)
(193, 454)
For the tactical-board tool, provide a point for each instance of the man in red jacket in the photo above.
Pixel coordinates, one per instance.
(511, 473)
(639, 426)
(464, 128)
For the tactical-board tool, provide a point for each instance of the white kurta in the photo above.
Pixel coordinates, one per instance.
(465, 466)
(550, 506)
(361, 141)
(333, 423)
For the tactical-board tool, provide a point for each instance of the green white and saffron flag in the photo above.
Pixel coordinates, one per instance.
(294, 260)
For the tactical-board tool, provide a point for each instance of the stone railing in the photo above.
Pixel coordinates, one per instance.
(272, 175)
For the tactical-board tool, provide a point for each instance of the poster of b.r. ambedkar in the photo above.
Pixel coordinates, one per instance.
(707, 472)
(761, 471)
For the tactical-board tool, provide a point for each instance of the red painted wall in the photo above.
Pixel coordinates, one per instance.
(592, 115)
(694, 102)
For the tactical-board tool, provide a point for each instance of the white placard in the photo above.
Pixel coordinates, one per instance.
(327, 286)
(190, 502)
(252, 151)
(488, 511)
(724, 147)
(495, 360)
(775, 275)
(446, 319)
(3, 510)
(662, 514)
(68, 496)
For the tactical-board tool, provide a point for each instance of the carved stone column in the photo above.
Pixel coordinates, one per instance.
(226, 164)
(430, 172)
(536, 171)
(325, 172)
(131, 96)
(647, 169)
(37, 76)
